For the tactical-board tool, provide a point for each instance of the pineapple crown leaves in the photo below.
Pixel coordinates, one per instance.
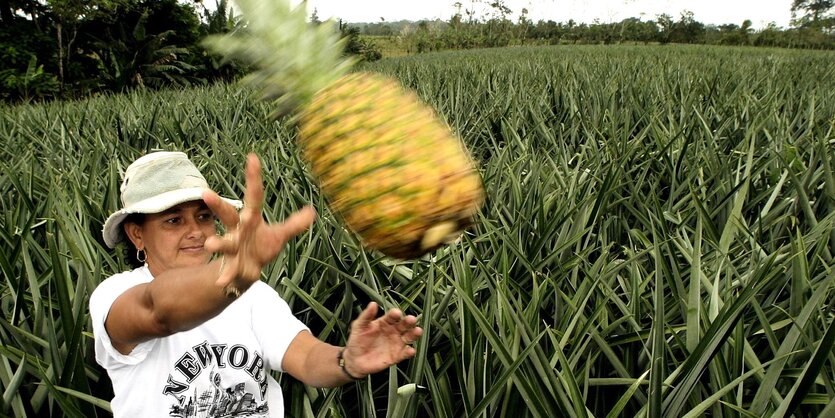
(294, 59)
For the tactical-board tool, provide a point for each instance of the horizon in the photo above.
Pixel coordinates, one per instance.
(603, 11)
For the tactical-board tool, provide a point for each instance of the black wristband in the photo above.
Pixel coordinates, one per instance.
(341, 359)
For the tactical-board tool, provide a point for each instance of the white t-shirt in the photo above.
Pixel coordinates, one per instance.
(220, 368)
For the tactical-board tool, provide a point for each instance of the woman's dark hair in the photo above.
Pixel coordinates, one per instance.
(129, 252)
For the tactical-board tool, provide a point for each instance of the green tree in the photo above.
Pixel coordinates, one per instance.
(355, 45)
(688, 29)
(68, 16)
(633, 29)
(145, 44)
(731, 34)
(221, 19)
(12, 10)
(26, 51)
(498, 29)
(745, 30)
(770, 36)
(524, 25)
(34, 83)
(817, 14)
(665, 26)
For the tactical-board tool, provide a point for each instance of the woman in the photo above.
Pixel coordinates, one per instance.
(183, 334)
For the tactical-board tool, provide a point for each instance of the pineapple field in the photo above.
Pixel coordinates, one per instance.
(656, 239)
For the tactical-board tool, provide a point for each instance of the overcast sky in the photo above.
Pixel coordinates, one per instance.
(761, 12)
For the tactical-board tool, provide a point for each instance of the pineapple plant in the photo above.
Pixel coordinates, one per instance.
(388, 166)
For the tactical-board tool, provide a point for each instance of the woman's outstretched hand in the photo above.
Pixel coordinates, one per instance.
(375, 344)
(250, 242)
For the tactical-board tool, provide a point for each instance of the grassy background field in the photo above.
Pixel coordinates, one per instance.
(657, 239)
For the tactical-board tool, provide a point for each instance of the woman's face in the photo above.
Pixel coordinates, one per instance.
(174, 238)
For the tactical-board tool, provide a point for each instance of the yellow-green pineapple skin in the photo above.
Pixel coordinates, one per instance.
(389, 167)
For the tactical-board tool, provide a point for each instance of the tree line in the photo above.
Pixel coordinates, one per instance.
(65, 49)
(74, 48)
(68, 49)
(813, 27)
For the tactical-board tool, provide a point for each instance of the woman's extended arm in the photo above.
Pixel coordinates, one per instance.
(373, 346)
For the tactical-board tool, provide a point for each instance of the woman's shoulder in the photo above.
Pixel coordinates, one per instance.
(139, 274)
(120, 282)
(260, 290)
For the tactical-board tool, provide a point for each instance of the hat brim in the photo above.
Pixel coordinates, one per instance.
(112, 230)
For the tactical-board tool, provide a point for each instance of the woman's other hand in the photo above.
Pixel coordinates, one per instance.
(376, 344)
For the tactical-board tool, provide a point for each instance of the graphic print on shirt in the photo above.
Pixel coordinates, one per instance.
(195, 394)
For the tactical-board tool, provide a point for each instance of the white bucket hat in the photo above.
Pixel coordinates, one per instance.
(153, 183)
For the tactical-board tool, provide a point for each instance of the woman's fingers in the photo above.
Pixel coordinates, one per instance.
(225, 244)
(408, 330)
(295, 224)
(228, 215)
(405, 327)
(251, 242)
(226, 276)
(393, 317)
(299, 221)
(365, 317)
(267, 243)
(411, 335)
(408, 352)
(254, 195)
(224, 211)
(406, 324)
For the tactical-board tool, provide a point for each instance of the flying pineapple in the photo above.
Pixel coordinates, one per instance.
(388, 166)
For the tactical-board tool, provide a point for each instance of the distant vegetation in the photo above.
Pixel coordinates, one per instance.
(457, 33)
(657, 240)
(65, 49)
